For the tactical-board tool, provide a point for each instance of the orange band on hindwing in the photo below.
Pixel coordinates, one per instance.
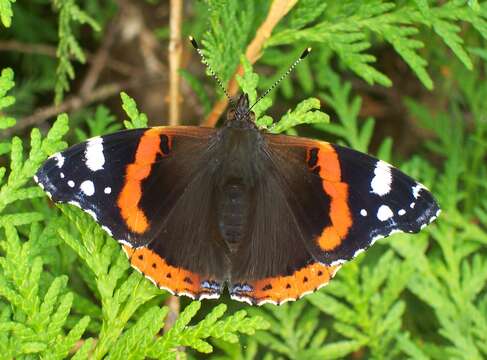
(146, 155)
(176, 280)
(280, 289)
(324, 158)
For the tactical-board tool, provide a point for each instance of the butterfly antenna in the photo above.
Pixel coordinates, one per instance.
(213, 74)
(283, 76)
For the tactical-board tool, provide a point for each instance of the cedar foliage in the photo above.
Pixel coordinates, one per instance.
(67, 290)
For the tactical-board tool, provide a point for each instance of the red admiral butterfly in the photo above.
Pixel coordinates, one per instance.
(272, 216)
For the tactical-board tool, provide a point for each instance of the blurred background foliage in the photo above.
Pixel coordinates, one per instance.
(403, 80)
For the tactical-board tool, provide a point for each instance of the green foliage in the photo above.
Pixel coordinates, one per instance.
(345, 29)
(306, 112)
(230, 26)
(6, 12)
(42, 314)
(67, 290)
(364, 304)
(356, 135)
(102, 122)
(297, 334)
(32, 318)
(68, 47)
(34, 321)
(6, 84)
(137, 119)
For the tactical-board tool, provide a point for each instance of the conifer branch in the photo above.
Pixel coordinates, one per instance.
(175, 53)
(278, 9)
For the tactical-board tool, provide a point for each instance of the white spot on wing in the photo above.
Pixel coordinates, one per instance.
(94, 154)
(381, 183)
(384, 213)
(75, 204)
(401, 212)
(241, 298)
(126, 252)
(167, 289)
(151, 279)
(412, 205)
(61, 175)
(71, 183)
(185, 293)
(107, 230)
(87, 187)
(92, 214)
(416, 189)
(363, 212)
(125, 242)
(60, 160)
(338, 262)
(375, 238)
(209, 296)
(303, 294)
(107, 190)
(283, 301)
(266, 301)
(332, 275)
(358, 252)
(36, 179)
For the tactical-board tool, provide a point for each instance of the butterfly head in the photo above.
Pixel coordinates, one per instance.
(240, 115)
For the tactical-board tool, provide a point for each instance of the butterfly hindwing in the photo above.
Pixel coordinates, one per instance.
(275, 263)
(134, 184)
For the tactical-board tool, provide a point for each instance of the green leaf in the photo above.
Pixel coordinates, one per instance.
(68, 47)
(137, 120)
(6, 84)
(231, 24)
(306, 112)
(6, 12)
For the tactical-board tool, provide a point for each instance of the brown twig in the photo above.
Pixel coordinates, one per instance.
(174, 306)
(78, 101)
(100, 59)
(135, 27)
(48, 50)
(175, 52)
(277, 11)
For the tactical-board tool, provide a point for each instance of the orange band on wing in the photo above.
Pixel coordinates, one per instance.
(287, 288)
(131, 193)
(341, 218)
(177, 280)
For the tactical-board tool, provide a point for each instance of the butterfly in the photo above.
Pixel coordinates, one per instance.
(272, 217)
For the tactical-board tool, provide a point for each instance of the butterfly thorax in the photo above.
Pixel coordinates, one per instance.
(238, 173)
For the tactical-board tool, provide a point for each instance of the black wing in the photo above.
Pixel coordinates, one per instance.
(137, 185)
(346, 200)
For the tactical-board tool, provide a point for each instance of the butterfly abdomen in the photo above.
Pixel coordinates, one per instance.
(233, 212)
